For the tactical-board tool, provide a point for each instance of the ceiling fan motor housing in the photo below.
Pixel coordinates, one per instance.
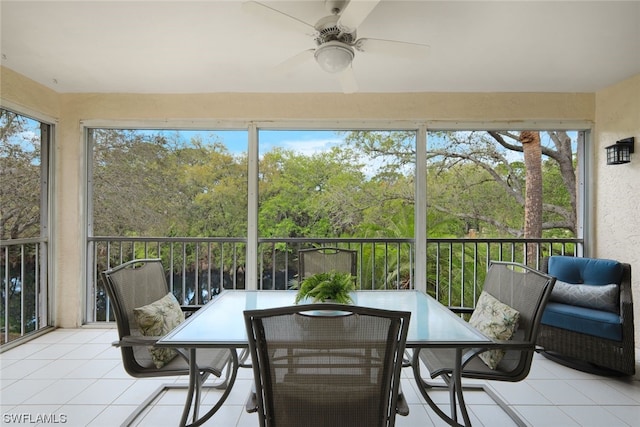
(328, 30)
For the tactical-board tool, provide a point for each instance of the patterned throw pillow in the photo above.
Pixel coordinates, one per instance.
(496, 320)
(599, 297)
(158, 319)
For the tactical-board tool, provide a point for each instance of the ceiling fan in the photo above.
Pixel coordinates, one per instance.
(335, 36)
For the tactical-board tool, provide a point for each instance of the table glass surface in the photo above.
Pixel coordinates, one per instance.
(220, 323)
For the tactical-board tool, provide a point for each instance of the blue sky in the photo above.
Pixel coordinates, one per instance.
(305, 142)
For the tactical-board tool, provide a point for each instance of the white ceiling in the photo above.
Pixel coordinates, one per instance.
(151, 46)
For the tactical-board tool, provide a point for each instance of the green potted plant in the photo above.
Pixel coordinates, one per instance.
(331, 286)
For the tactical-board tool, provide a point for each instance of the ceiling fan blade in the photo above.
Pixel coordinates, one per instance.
(393, 48)
(279, 18)
(348, 81)
(295, 61)
(355, 13)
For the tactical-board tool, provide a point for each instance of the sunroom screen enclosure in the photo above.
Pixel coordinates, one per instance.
(217, 204)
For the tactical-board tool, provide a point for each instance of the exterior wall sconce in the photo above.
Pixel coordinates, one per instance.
(620, 152)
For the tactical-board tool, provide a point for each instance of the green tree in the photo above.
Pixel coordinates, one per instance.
(20, 176)
(158, 184)
(495, 177)
(214, 185)
(134, 187)
(308, 196)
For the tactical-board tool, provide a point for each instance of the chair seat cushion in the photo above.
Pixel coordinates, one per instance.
(584, 320)
(158, 319)
(495, 320)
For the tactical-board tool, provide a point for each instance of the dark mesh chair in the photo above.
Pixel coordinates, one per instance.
(327, 364)
(519, 287)
(322, 260)
(138, 283)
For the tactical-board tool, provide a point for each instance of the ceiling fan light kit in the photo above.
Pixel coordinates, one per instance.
(334, 57)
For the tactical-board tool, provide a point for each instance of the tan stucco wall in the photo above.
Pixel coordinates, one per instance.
(617, 190)
(28, 95)
(419, 106)
(69, 222)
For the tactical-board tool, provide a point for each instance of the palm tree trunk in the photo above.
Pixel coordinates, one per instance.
(533, 191)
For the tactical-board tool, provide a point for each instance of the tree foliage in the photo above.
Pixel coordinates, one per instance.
(153, 184)
(476, 183)
(156, 183)
(20, 176)
(476, 179)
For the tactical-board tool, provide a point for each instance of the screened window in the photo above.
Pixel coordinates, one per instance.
(24, 147)
(178, 195)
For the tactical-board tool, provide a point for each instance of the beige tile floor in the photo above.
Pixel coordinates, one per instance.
(74, 377)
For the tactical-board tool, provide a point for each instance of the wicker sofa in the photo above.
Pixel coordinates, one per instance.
(577, 329)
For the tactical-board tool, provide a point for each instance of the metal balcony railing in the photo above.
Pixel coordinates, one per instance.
(199, 268)
(23, 275)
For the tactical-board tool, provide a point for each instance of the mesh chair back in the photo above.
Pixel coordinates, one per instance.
(321, 260)
(130, 285)
(327, 364)
(527, 291)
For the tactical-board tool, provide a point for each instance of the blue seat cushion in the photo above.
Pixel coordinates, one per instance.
(604, 324)
(589, 271)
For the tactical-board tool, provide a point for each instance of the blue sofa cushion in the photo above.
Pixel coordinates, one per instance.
(590, 271)
(584, 320)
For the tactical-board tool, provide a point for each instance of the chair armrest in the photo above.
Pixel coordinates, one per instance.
(498, 345)
(131, 341)
(188, 310)
(626, 308)
(626, 299)
(461, 310)
(511, 344)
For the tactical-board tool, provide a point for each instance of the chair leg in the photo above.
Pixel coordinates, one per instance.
(456, 394)
(406, 359)
(244, 356)
(152, 397)
(233, 372)
(458, 390)
(196, 402)
(402, 406)
(226, 384)
(251, 404)
(423, 386)
(501, 403)
(225, 378)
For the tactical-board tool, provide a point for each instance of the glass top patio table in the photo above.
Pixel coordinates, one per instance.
(220, 323)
